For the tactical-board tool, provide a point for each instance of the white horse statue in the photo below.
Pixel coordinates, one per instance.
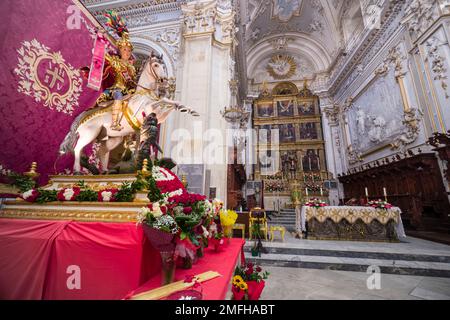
(95, 123)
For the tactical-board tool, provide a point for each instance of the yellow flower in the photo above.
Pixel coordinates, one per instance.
(228, 217)
(243, 286)
(237, 280)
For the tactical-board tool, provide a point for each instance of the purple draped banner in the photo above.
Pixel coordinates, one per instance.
(44, 44)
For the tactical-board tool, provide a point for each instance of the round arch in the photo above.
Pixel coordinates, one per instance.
(303, 45)
(145, 46)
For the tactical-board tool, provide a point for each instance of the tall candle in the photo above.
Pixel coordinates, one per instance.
(384, 192)
(367, 192)
(306, 190)
(321, 191)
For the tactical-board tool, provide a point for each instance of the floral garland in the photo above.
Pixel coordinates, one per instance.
(30, 195)
(107, 195)
(379, 204)
(68, 194)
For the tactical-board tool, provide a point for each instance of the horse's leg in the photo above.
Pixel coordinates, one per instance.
(87, 135)
(103, 155)
(110, 145)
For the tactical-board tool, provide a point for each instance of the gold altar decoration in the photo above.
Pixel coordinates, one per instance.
(144, 171)
(280, 229)
(33, 174)
(124, 212)
(367, 215)
(67, 214)
(169, 289)
(291, 114)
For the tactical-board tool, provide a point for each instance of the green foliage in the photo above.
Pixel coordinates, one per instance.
(126, 193)
(87, 195)
(46, 196)
(22, 182)
(139, 185)
(250, 273)
(154, 194)
(256, 230)
(82, 184)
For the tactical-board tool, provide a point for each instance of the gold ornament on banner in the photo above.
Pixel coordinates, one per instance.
(47, 88)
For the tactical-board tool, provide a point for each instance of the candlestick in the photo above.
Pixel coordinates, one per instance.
(306, 190)
(321, 192)
(385, 194)
(367, 194)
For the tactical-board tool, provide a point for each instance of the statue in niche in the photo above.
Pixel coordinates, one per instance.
(311, 161)
(293, 162)
(376, 133)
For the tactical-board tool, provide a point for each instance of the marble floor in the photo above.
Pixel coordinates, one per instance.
(311, 281)
(310, 284)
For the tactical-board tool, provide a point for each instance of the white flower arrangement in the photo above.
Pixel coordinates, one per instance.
(178, 192)
(166, 223)
(28, 194)
(205, 232)
(162, 174)
(156, 212)
(106, 196)
(68, 193)
(142, 215)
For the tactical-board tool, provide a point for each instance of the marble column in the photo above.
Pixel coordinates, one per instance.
(199, 144)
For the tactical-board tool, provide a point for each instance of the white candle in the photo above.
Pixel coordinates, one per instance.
(306, 190)
(321, 192)
(384, 192)
(367, 192)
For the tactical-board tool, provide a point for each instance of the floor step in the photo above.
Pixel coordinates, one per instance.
(401, 267)
(353, 254)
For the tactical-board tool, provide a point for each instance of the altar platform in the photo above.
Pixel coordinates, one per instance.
(350, 223)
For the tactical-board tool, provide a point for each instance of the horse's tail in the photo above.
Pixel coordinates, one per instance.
(71, 138)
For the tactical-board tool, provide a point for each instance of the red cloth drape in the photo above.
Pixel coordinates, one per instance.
(25, 249)
(223, 262)
(113, 258)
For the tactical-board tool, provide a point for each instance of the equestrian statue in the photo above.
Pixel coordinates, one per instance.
(125, 105)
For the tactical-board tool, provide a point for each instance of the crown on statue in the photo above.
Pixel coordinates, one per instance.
(124, 41)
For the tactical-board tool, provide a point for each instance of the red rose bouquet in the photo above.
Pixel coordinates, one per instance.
(316, 203)
(248, 282)
(380, 204)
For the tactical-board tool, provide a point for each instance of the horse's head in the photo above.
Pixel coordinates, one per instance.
(157, 68)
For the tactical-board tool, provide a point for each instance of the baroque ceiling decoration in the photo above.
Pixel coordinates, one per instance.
(281, 66)
(284, 10)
